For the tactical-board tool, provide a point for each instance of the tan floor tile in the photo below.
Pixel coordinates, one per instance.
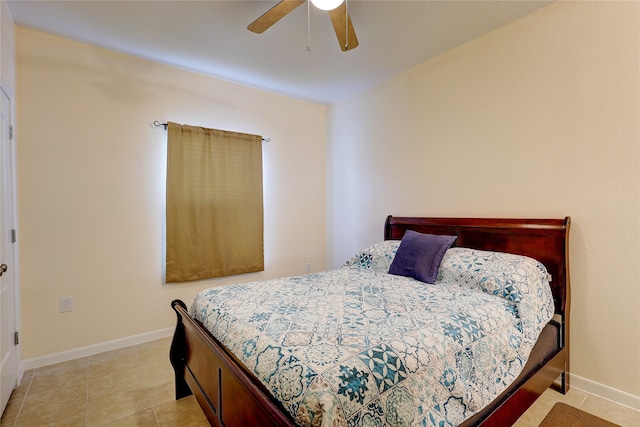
(115, 385)
(59, 376)
(155, 357)
(70, 394)
(162, 393)
(71, 367)
(11, 412)
(154, 348)
(611, 411)
(20, 392)
(123, 357)
(115, 377)
(160, 378)
(57, 383)
(152, 367)
(141, 419)
(4, 423)
(533, 416)
(117, 367)
(179, 413)
(116, 406)
(157, 375)
(119, 354)
(525, 422)
(53, 414)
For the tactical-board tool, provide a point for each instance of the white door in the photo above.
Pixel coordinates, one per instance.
(8, 369)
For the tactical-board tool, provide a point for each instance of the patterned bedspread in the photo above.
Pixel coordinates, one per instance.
(358, 347)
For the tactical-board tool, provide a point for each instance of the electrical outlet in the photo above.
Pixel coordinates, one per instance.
(66, 304)
(307, 267)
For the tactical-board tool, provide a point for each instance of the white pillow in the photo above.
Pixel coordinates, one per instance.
(498, 273)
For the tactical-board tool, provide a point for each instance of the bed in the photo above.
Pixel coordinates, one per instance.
(232, 394)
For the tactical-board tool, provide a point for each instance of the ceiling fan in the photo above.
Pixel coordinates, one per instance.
(337, 12)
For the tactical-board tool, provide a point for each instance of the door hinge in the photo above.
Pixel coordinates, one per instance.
(13, 235)
(10, 131)
(16, 338)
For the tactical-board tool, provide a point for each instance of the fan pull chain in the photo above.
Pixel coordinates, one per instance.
(346, 23)
(309, 26)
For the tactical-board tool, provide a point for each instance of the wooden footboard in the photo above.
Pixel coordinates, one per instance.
(226, 393)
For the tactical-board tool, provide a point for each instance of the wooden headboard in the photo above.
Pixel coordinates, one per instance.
(546, 240)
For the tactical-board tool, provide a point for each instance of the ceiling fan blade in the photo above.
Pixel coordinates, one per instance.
(339, 17)
(273, 15)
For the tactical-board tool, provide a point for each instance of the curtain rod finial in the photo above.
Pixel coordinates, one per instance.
(158, 124)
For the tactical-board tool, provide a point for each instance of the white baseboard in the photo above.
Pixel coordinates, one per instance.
(606, 392)
(90, 350)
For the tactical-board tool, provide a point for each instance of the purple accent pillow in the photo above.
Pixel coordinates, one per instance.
(419, 255)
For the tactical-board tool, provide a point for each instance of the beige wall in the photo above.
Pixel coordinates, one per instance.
(91, 171)
(7, 48)
(536, 119)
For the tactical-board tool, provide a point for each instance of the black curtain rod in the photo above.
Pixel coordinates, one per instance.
(158, 124)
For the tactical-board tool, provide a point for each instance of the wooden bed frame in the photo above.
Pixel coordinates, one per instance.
(231, 396)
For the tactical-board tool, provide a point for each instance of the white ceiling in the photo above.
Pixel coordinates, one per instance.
(211, 37)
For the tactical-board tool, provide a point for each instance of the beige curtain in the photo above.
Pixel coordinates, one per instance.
(214, 203)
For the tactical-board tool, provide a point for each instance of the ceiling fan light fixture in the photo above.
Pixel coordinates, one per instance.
(326, 4)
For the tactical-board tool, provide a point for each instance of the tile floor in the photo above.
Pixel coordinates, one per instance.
(128, 387)
(595, 405)
(134, 387)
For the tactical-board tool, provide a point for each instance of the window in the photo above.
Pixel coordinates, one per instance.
(214, 203)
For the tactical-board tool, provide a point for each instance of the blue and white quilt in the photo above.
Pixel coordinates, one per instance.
(359, 347)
